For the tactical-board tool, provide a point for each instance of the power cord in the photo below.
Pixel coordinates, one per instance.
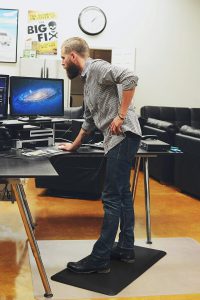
(65, 140)
(67, 131)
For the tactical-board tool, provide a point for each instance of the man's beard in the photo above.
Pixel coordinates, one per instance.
(72, 70)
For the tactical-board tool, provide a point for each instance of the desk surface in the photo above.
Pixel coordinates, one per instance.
(14, 165)
(92, 151)
(17, 123)
(144, 153)
(141, 153)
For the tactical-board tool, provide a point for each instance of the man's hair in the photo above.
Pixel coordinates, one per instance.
(76, 44)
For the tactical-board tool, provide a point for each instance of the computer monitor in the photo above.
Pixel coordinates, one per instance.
(33, 96)
(4, 86)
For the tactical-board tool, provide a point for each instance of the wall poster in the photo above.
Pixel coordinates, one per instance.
(8, 34)
(42, 32)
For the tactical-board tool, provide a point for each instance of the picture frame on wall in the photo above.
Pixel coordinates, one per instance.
(8, 35)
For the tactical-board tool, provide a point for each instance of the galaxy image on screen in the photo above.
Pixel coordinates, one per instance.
(36, 96)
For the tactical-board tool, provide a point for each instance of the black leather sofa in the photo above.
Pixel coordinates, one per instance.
(180, 127)
(187, 166)
(164, 122)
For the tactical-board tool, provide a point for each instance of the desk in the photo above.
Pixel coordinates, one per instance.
(13, 167)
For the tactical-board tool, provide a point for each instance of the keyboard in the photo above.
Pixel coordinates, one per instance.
(43, 151)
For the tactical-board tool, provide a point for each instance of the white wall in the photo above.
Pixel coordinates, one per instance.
(166, 34)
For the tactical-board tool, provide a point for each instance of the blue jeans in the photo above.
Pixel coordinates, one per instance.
(117, 198)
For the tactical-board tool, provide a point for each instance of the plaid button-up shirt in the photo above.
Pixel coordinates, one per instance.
(103, 86)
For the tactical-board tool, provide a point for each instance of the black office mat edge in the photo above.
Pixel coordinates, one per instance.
(73, 278)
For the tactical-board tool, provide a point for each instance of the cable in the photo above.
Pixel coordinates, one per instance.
(67, 131)
(63, 140)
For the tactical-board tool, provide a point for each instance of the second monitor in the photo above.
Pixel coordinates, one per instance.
(4, 85)
(33, 96)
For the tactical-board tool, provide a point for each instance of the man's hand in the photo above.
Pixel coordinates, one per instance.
(66, 147)
(76, 143)
(115, 126)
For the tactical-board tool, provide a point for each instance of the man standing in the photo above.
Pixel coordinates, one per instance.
(113, 114)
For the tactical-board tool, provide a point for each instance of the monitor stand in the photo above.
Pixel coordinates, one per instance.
(34, 119)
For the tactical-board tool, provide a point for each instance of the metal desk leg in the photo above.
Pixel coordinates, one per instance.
(27, 207)
(135, 177)
(147, 199)
(19, 193)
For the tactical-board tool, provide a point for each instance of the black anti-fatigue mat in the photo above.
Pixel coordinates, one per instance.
(121, 274)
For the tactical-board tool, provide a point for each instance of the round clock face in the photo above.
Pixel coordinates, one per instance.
(92, 20)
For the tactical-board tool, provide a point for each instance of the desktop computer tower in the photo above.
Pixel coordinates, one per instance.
(31, 136)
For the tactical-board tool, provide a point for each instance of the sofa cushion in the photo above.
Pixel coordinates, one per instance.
(189, 130)
(150, 112)
(176, 115)
(167, 113)
(169, 127)
(182, 116)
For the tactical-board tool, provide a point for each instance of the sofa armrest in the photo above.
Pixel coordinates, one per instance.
(189, 130)
(164, 125)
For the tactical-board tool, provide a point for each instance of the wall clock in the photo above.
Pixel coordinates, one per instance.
(92, 20)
